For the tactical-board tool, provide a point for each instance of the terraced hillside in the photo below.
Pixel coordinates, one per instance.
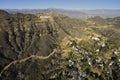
(56, 47)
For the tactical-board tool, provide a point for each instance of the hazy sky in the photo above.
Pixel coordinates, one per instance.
(64, 4)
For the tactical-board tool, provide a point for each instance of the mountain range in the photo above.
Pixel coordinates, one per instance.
(57, 47)
(105, 13)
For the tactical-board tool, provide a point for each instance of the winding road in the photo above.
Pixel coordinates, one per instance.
(25, 59)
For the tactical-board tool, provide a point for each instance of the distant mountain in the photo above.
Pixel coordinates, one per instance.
(105, 13)
(70, 13)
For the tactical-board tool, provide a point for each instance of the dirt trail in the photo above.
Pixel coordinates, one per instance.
(27, 58)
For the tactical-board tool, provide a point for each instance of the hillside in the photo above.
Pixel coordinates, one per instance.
(57, 47)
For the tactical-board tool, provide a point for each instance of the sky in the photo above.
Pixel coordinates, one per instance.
(62, 4)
